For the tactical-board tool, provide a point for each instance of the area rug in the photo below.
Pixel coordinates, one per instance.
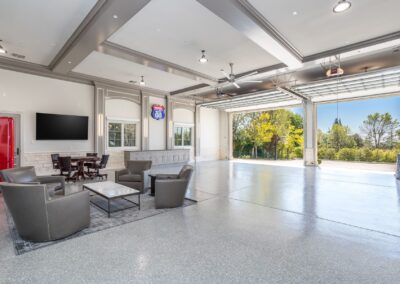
(98, 221)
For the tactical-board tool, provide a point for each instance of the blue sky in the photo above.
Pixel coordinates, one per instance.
(354, 113)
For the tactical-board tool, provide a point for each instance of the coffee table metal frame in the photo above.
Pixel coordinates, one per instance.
(109, 199)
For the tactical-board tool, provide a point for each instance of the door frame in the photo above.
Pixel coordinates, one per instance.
(19, 115)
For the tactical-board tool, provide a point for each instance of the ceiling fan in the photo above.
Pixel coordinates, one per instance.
(221, 94)
(235, 80)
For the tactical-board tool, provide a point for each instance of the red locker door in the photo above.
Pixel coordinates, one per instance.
(6, 142)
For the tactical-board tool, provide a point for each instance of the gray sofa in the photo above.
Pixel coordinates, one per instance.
(136, 175)
(170, 190)
(40, 218)
(27, 175)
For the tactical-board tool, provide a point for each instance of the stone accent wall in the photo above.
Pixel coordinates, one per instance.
(116, 160)
(42, 161)
(43, 165)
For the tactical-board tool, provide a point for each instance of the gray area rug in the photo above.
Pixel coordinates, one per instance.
(98, 220)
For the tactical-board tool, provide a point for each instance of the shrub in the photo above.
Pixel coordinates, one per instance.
(346, 154)
(330, 154)
(298, 152)
(366, 155)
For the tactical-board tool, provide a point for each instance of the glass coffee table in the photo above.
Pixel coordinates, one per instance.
(112, 191)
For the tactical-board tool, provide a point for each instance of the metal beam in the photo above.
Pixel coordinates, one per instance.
(100, 25)
(247, 20)
(292, 93)
(137, 57)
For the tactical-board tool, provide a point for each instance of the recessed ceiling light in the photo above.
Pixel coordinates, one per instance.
(69, 62)
(342, 6)
(294, 13)
(142, 82)
(115, 16)
(203, 58)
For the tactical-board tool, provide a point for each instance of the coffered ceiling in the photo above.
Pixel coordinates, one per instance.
(109, 67)
(121, 40)
(39, 29)
(177, 31)
(312, 27)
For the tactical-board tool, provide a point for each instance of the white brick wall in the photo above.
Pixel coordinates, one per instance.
(42, 161)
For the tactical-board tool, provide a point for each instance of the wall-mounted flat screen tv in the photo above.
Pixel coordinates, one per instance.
(61, 127)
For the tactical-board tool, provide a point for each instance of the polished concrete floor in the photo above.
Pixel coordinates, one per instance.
(253, 223)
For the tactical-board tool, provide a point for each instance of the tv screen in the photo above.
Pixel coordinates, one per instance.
(61, 127)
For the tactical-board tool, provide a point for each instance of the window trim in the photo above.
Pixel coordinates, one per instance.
(123, 121)
(186, 125)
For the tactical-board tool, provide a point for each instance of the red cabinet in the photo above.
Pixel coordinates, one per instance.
(6, 143)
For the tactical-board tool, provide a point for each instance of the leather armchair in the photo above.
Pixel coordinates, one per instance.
(27, 175)
(136, 175)
(39, 218)
(170, 190)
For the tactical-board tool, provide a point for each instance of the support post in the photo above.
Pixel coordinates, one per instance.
(197, 133)
(310, 134)
(170, 123)
(145, 122)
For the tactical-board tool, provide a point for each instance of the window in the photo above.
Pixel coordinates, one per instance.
(114, 134)
(183, 136)
(129, 135)
(122, 134)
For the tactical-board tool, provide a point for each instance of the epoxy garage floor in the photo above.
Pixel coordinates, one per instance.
(253, 223)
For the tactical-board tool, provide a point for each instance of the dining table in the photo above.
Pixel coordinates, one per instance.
(80, 163)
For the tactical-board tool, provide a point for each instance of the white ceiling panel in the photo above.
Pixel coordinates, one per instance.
(113, 68)
(38, 29)
(177, 31)
(316, 28)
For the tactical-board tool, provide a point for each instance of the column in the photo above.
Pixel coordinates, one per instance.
(145, 122)
(197, 132)
(170, 122)
(310, 134)
(99, 120)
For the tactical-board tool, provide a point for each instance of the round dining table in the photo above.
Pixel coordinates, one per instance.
(80, 162)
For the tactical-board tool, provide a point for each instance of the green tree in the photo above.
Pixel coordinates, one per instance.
(376, 127)
(339, 137)
(358, 140)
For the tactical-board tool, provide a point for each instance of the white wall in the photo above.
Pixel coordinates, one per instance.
(27, 94)
(209, 134)
(182, 115)
(123, 109)
(157, 128)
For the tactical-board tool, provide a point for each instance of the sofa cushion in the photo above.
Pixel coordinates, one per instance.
(22, 175)
(130, 177)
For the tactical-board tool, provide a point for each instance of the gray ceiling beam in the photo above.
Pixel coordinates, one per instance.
(246, 19)
(44, 71)
(153, 62)
(195, 87)
(95, 29)
(354, 46)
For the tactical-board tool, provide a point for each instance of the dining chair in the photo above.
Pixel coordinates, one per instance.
(54, 161)
(102, 165)
(89, 165)
(66, 168)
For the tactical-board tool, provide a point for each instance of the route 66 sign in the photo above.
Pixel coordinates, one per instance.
(157, 112)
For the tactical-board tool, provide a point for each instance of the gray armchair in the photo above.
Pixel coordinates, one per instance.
(170, 190)
(27, 175)
(136, 175)
(39, 218)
